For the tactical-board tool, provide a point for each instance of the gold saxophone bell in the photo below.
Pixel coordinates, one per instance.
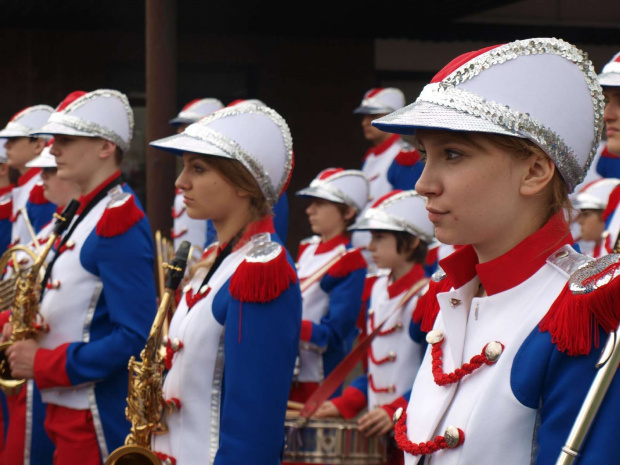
(144, 395)
(26, 288)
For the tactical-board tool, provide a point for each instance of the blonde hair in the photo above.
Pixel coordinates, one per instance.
(239, 176)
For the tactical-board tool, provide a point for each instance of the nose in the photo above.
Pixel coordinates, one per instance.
(612, 109)
(371, 245)
(428, 185)
(310, 209)
(54, 149)
(182, 181)
(7, 143)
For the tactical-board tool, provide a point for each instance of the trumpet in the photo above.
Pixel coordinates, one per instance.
(24, 317)
(144, 397)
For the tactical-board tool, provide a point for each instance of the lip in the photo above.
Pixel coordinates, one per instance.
(611, 131)
(187, 200)
(435, 215)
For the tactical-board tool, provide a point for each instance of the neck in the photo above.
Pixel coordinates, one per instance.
(380, 140)
(22, 170)
(97, 178)
(503, 243)
(228, 228)
(329, 236)
(401, 270)
(4, 182)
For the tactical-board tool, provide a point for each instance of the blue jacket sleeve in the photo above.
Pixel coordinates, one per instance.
(40, 214)
(404, 177)
(280, 217)
(345, 300)
(261, 343)
(557, 384)
(126, 307)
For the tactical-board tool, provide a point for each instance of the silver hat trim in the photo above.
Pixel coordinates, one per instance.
(95, 129)
(383, 217)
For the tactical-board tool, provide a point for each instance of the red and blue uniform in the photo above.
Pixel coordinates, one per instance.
(28, 195)
(335, 274)
(231, 352)
(520, 407)
(99, 303)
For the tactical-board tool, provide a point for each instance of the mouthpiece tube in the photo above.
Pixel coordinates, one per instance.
(176, 269)
(67, 215)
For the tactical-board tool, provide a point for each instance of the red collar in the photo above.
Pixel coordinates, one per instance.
(383, 146)
(331, 244)
(264, 225)
(27, 176)
(515, 266)
(404, 283)
(86, 199)
(607, 154)
(6, 190)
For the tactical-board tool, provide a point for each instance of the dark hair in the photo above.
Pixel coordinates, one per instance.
(343, 208)
(405, 243)
(118, 155)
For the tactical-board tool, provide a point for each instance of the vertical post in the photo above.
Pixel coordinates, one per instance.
(161, 86)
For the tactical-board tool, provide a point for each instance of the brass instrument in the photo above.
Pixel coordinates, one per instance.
(24, 318)
(144, 398)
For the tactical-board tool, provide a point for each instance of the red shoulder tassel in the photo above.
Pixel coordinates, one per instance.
(119, 219)
(572, 320)
(6, 210)
(351, 261)
(37, 195)
(427, 308)
(262, 281)
(407, 158)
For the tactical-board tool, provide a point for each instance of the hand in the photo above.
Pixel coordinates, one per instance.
(328, 409)
(7, 330)
(21, 358)
(375, 423)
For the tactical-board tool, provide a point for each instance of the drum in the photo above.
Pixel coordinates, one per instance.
(333, 441)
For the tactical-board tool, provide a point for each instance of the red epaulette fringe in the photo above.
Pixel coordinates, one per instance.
(37, 195)
(407, 158)
(573, 319)
(427, 308)
(118, 219)
(351, 261)
(6, 210)
(258, 281)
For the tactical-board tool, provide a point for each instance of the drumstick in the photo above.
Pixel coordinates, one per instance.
(291, 404)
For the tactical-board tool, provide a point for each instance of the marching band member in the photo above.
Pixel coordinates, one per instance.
(197, 232)
(401, 232)
(506, 133)
(234, 336)
(390, 163)
(21, 431)
(99, 293)
(21, 147)
(609, 79)
(591, 203)
(331, 273)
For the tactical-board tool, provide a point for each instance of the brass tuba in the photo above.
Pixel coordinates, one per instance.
(144, 397)
(27, 288)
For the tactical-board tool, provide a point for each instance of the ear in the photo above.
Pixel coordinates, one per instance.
(349, 214)
(538, 172)
(39, 144)
(108, 149)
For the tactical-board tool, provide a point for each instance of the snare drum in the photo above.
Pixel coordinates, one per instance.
(333, 441)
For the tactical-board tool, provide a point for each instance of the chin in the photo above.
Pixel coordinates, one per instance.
(613, 144)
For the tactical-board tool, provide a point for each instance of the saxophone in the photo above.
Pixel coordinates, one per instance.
(145, 398)
(25, 305)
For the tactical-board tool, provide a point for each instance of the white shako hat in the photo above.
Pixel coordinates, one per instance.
(45, 159)
(103, 113)
(197, 109)
(610, 76)
(398, 211)
(544, 90)
(256, 136)
(595, 196)
(381, 101)
(26, 121)
(341, 186)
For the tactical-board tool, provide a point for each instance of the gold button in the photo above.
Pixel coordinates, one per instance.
(454, 302)
(561, 254)
(392, 356)
(397, 414)
(452, 436)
